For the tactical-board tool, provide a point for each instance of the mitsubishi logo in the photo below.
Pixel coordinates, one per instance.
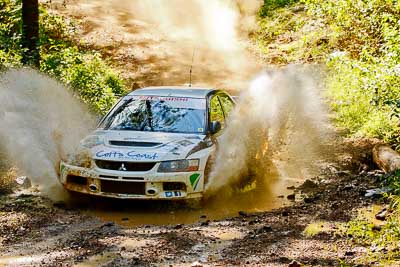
(122, 168)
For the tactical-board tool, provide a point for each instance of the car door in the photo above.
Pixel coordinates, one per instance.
(220, 107)
(217, 113)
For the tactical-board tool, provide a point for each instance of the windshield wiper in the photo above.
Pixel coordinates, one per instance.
(149, 115)
(114, 113)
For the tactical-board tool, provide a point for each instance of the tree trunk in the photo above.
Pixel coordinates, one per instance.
(386, 158)
(30, 32)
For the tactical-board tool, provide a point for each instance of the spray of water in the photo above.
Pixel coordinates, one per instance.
(41, 122)
(277, 130)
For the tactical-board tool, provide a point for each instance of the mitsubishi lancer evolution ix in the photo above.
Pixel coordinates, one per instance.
(155, 143)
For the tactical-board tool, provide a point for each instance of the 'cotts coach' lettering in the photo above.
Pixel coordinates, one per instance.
(133, 154)
(110, 154)
(130, 154)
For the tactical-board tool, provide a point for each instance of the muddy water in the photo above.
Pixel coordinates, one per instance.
(132, 213)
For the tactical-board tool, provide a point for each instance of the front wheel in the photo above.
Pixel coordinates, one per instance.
(195, 203)
(207, 172)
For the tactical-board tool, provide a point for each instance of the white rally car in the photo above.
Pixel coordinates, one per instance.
(155, 143)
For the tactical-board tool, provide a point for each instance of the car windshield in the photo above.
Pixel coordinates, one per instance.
(158, 114)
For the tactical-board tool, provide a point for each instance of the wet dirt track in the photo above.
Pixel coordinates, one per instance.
(36, 232)
(132, 213)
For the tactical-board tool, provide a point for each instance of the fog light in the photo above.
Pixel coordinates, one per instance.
(151, 191)
(93, 187)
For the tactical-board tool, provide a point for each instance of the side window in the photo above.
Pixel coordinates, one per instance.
(227, 105)
(216, 113)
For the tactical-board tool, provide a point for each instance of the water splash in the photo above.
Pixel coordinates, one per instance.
(41, 122)
(277, 130)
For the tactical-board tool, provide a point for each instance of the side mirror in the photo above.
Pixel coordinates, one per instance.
(215, 127)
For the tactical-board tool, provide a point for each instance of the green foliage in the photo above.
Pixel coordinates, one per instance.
(85, 72)
(97, 84)
(362, 96)
(364, 84)
(7, 180)
(271, 5)
(360, 26)
(382, 241)
(290, 35)
(359, 41)
(10, 36)
(392, 180)
(315, 228)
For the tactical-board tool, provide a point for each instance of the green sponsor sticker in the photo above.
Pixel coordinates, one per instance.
(194, 180)
(62, 168)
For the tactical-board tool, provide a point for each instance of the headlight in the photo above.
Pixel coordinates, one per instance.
(185, 165)
(92, 141)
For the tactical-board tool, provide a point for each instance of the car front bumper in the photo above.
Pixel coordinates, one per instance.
(132, 185)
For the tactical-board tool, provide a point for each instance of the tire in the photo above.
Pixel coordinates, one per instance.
(207, 171)
(194, 203)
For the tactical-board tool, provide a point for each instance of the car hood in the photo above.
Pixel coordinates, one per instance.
(145, 146)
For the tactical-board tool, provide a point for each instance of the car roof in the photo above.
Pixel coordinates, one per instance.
(177, 91)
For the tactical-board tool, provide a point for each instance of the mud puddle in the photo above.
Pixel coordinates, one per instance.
(133, 212)
(29, 260)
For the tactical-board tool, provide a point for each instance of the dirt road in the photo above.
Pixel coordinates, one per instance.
(36, 232)
(154, 44)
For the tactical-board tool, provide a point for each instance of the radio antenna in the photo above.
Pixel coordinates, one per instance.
(191, 67)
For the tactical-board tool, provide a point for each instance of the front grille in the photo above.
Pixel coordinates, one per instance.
(133, 178)
(132, 188)
(125, 166)
(125, 178)
(134, 143)
(73, 179)
(108, 176)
